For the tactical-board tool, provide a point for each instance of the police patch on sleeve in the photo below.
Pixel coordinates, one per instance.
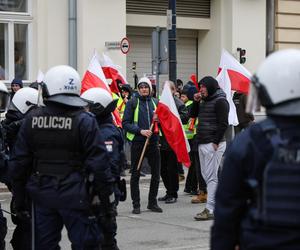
(109, 146)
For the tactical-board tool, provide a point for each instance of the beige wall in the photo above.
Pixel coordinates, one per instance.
(100, 21)
(96, 25)
(233, 25)
(50, 34)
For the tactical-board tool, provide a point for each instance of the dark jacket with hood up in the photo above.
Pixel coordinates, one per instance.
(212, 112)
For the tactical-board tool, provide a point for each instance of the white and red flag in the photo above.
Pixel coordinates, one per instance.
(172, 127)
(94, 77)
(238, 74)
(225, 85)
(111, 71)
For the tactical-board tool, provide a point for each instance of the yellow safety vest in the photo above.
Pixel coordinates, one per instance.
(129, 135)
(121, 107)
(190, 133)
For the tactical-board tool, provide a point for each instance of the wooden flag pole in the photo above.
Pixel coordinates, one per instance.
(144, 149)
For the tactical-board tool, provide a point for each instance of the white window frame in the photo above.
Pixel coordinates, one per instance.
(11, 18)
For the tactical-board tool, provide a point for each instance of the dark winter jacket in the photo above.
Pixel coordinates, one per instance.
(212, 113)
(11, 125)
(113, 140)
(145, 115)
(246, 159)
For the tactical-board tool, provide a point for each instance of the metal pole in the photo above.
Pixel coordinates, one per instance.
(172, 43)
(73, 33)
(157, 63)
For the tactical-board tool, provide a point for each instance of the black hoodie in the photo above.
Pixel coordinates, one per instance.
(212, 112)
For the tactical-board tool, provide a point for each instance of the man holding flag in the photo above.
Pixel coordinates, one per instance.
(137, 120)
(169, 167)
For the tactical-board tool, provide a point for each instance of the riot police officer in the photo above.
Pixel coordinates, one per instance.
(257, 201)
(22, 102)
(102, 105)
(60, 159)
(4, 100)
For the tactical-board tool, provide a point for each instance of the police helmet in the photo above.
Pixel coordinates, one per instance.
(4, 97)
(277, 83)
(62, 85)
(100, 101)
(24, 99)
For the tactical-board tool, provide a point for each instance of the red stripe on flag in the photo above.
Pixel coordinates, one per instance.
(239, 82)
(111, 73)
(174, 133)
(90, 80)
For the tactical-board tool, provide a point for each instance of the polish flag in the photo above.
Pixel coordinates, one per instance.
(238, 74)
(94, 77)
(172, 127)
(111, 71)
(225, 85)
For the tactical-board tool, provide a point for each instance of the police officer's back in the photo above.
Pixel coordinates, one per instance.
(21, 104)
(102, 105)
(59, 151)
(4, 99)
(257, 201)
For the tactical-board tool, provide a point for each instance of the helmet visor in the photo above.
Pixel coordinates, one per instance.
(253, 103)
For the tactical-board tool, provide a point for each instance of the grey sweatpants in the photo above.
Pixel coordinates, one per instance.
(210, 161)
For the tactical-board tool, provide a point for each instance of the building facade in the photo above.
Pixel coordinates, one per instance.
(35, 34)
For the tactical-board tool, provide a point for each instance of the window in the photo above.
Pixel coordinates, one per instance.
(14, 5)
(20, 50)
(15, 23)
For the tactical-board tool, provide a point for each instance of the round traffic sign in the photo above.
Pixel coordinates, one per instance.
(125, 45)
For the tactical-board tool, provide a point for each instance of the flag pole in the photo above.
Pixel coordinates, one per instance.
(144, 149)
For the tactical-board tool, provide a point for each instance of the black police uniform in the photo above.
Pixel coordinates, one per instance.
(57, 148)
(22, 232)
(257, 200)
(3, 178)
(114, 143)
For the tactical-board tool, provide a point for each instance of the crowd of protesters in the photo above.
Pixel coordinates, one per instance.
(203, 110)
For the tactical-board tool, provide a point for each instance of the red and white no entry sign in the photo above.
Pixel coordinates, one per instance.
(125, 45)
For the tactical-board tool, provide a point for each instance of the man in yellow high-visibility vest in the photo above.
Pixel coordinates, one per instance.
(137, 119)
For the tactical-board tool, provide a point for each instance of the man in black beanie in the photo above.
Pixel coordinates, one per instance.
(15, 85)
(211, 108)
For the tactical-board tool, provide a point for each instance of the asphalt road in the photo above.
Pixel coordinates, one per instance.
(173, 229)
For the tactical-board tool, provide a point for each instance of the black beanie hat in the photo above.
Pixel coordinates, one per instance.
(191, 91)
(18, 82)
(210, 83)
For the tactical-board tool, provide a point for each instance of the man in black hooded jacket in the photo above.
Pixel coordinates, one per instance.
(211, 108)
